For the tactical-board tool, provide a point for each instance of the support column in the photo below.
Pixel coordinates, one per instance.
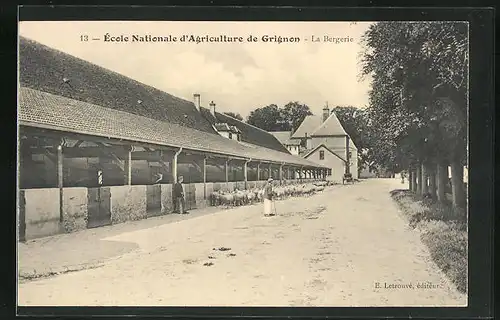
(60, 180)
(258, 171)
(281, 174)
(270, 170)
(174, 165)
(245, 173)
(226, 167)
(205, 178)
(127, 167)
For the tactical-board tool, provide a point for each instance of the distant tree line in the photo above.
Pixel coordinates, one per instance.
(418, 102)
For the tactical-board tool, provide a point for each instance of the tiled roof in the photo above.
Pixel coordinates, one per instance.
(330, 127)
(249, 133)
(49, 111)
(311, 151)
(308, 126)
(222, 127)
(285, 138)
(45, 69)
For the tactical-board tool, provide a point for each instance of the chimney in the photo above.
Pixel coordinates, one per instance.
(212, 108)
(197, 103)
(326, 112)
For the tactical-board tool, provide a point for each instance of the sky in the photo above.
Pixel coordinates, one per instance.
(238, 77)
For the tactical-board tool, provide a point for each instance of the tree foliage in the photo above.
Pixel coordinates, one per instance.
(418, 101)
(274, 118)
(234, 115)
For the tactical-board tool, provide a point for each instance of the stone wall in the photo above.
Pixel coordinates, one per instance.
(128, 203)
(40, 207)
(75, 206)
(41, 212)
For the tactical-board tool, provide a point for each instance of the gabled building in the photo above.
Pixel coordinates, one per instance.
(285, 137)
(235, 129)
(324, 141)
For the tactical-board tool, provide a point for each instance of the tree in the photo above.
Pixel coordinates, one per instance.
(354, 122)
(234, 115)
(294, 113)
(267, 118)
(274, 118)
(418, 101)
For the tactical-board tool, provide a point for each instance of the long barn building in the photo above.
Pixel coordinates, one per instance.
(97, 148)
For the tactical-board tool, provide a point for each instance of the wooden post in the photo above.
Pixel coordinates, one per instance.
(174, 165)
(281, 174)
(226, 166)
(128, 167)
(245, 173)
(205, 178)
(258, 171)
(60, 180)
(270, 171)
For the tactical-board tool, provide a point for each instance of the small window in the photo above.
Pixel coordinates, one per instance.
(322, 155)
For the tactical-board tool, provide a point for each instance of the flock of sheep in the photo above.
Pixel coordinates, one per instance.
(244, 197)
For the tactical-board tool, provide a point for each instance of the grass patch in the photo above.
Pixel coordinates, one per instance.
(443, 230)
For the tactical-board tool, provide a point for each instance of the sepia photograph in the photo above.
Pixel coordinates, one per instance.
(243, 163)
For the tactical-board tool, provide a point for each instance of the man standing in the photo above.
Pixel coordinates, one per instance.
(178, 193)
(268, 197)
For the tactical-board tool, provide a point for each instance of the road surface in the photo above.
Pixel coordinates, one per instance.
(346, 246)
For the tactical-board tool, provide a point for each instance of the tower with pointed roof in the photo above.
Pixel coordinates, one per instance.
(325, 141)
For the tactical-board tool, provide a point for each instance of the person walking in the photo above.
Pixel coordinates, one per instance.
(178, 193)
(268, 198)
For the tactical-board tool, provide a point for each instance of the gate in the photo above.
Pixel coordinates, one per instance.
(190, 195)
(99, 211)
(22, 216)
(153, 204)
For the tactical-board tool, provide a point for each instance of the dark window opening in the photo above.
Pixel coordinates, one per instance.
(322, 155)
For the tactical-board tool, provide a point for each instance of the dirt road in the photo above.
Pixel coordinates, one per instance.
(347, 246)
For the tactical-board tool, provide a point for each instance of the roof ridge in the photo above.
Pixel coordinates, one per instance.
(332, 114)
(324, 146)
(248, 124)
(263, 153)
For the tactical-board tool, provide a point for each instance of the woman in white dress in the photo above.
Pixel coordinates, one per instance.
(268, 197)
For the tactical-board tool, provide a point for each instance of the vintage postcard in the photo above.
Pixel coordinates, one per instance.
(240, 163)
